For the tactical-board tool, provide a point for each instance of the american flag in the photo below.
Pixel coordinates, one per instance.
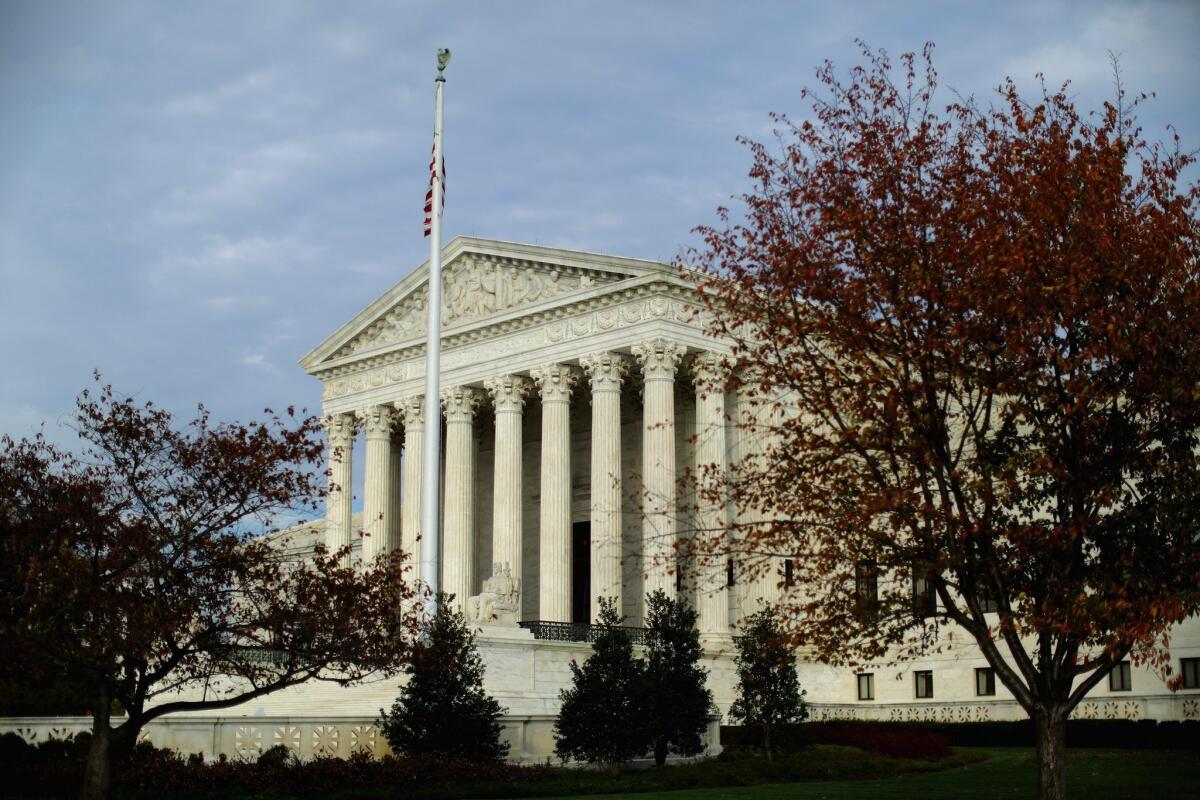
(429, 192)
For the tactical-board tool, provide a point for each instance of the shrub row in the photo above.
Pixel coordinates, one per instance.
(889, 738)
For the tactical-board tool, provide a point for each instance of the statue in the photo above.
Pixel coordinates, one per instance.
(499, 602)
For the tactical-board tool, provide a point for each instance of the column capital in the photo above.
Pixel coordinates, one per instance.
(508, 392)
(341, 427)
(659, 358)
(411, 411)
(377, 422)
(605, 370)
(555, 382)
(711, 371)
(460, 403)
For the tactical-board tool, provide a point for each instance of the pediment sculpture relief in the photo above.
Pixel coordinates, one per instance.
(474, 288)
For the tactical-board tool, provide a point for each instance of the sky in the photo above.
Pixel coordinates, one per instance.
(194, 195)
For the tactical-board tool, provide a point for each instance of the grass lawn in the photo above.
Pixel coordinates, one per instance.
(1002, 773)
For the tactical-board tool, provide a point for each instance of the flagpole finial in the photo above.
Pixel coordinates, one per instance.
(443, 58)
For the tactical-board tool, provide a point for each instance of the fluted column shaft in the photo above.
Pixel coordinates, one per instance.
(508, 394)
(413, 414)
(605, 372)
(458, 552)
(395, 487)
(554, 574)
(659, 360)
(341, 475)
(755, 578)
(377, 481)
(713, 591)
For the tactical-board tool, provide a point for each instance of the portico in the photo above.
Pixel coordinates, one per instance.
(576, 390)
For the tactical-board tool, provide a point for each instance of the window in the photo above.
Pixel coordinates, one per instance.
(866, 587)
(789, 573)
(985, 682)
(1191, 673)
(923, 679)
(1119, 680)
(729, 577)
(866, 686)
(924, 601)
(987, 603)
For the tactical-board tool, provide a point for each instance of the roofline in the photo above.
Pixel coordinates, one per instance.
(494, 247)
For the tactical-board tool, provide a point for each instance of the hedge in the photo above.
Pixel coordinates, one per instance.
(1085, 733)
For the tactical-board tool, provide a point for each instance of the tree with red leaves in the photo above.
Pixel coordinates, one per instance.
(137, 569)
(975, 335)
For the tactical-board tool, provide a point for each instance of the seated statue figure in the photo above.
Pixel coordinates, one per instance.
(499, 602)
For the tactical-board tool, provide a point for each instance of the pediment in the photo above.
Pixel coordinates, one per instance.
(481, 279)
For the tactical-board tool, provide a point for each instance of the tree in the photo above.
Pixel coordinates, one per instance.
(974, 333)
(136, 570)
(443, 710)
(769, 692)
(601, 717)
(677, 704)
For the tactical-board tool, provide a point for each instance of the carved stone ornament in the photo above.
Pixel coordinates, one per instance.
(605, 371)
(711, 372)
(377, 422)
(341, 428)
(411, 411)
(460, 403)
(659, 358)
(555, 382)
(508, 392)
(476, 286)
(499, 602)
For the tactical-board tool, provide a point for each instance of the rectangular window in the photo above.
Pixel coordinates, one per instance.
(924, 601)
(1191, 673)
(789, 573)
(866, 587)
(1119, 680)
(923, 680)
(985, 682)
(729, 576)
(866, 686)
(987, 604)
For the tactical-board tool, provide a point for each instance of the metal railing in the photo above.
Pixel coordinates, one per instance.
(576, 631)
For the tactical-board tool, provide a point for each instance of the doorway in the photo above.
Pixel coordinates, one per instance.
(581, 572)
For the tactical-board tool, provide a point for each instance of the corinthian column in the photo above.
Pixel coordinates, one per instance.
(756, 578)
(458, 552)
(395, 485)
(659, 359)
(377, 481)
(710, 374)
(554, 575)
(341, 475)
(605, 371)
(508, 394)
(411, 411)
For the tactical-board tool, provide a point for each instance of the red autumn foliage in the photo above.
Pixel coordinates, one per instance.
(137, 569)
(974, 332)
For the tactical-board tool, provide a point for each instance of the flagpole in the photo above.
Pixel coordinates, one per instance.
(432, 443)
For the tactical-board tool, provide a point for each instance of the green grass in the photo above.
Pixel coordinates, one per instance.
(1001, 773)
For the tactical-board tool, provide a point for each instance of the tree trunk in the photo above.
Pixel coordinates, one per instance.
(1050, 727)
(660, 751)
(97, 770)
(767, 741)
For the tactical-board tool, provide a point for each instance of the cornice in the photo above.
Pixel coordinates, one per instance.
(519, 319)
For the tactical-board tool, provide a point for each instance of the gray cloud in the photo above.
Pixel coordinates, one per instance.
(191, 196)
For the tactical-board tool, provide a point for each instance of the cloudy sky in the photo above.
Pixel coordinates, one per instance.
(192, 195)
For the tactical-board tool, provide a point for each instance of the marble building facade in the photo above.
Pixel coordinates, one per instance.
(577, 388)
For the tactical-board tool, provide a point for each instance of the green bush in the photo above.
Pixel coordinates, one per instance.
(443, 710)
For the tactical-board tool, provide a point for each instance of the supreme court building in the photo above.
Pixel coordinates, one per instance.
(576, 389)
